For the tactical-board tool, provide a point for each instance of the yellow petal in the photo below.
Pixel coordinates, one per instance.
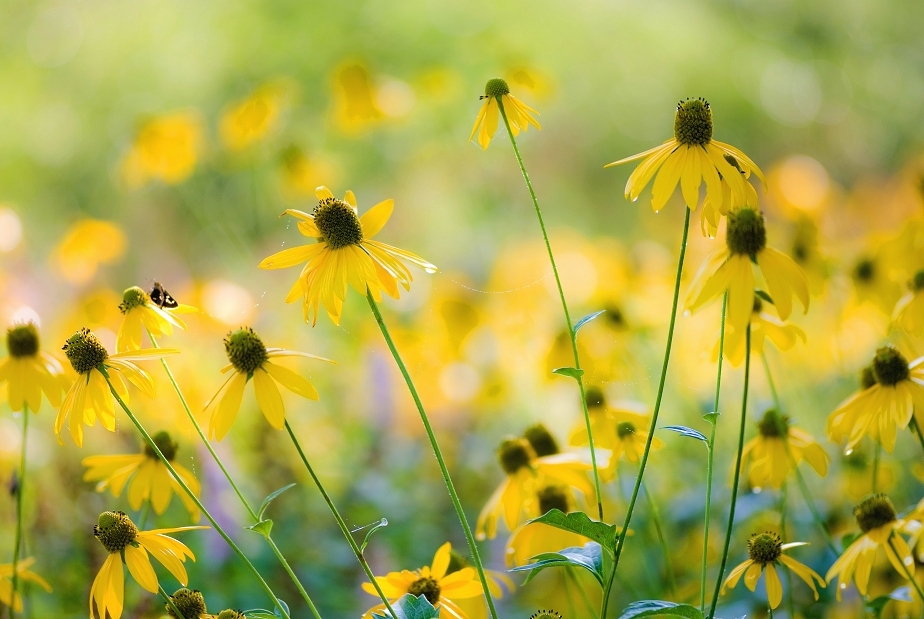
(375, 218)
(269, 399)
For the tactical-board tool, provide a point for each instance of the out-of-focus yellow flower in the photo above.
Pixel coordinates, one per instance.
(251, 359)
(876, 517)
(248, 121)
(767, 456)
(497, 95)
(148, 478)
(532, 79)
(23, 573)
(140, 313)
(433, 582)
(89, 398)
(166, 148)
(29, 371)
(88, 244)
(855, 473)
(909, 311)
(764, 325)
(126, 544)
(874, 283)
(345, 255)
(536, 538)
(892, 390)
(799, 186)
(730, 269)
(355, 107)
(807, 254)
(301, 175)
(765, 552)
(690, 158)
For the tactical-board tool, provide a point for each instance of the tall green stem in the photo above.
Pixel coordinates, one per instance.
(20, 484)
(237, 491)
(340, 522)
(734, 497)
(710, 457)
(654, 416)
(564, 305)
(194, 498)
(662, 540)
(789, 601)
(437, 452)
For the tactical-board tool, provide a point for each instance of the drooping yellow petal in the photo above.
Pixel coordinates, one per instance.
(223, 417)
(774, 586)
(376, 217)
(291, 381)
(140, 567)
(269, 399)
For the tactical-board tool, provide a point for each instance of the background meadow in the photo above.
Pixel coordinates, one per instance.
(827, 97)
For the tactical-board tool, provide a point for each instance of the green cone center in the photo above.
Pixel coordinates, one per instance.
(22, 340)
(427, 587)
(338, 223)
(625, 429)
(541, 440)
(874, 511)
(553, 497)
(245, 350)
(115, 531)
(693, 122)
(890, 367)
(515, 454)
(917, 282)
(765, 547)
(133, 297)
(867, 377)
(189, 602)
(594, 397)
(84, 351)
(746, 234)
(773, 425)
(166, 445)
(496, 87)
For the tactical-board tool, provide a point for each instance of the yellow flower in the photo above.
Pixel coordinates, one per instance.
(29, 371)
(891, 391)
(909, 311)
(764, 325)
(476, 607)
(497, 95)
(251, 359)
(148, 478)
(767, 452)
(23, 573)
(531, 464)
(880, 525)
(690, 158)
(166, 148)
(140, 313)
(714, 210)
(622, 429)
(355, 106)
(875, 282)
(730, 269)
(246, 122)
(88, 244)
(89, 397)
(433, 582)
(345, 254)
(765, 553)
(126, 544)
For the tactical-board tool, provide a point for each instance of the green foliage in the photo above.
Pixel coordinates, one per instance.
(588, 557)
(410, 607)
(658, 608)
(580, 523)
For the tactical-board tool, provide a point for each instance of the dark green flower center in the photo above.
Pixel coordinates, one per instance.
(515, 454)
(553, 497)
(800, 252)
(867, 377)
(427, 587)
(594, 397)
(625, 428)
(874, 511)
(765, 547)
(541, 440)
(338, 223)
(746, 234)
(545, 614)
(133, 297)
(22, 340)
(496, 87)
(231, 614)
(693, 122)
(189, 602)
(245, 350)
(773, 425)
(917, 282)
(890, 367)
(115, 531)
(166, 445)
(84, 351)
(615, 317)
(856, 461)
(864, 271)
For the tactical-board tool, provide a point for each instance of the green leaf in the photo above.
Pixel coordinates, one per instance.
(685, 431)
(588, 557)
(763, 295)
(375, 527)
(410, 607)
(711, 417)
(572, 372)
(653, 608)
(283, 604)
(580, 523)
(260, 613)
(877, 605)
(263, 527)
(583, 321)
(269, 499)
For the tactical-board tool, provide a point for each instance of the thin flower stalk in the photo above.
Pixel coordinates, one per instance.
(167, 598)
(20, 484)
(437, 452)
(662, 540)
(564, 304)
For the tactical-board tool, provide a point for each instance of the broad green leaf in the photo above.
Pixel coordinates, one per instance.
(375, 527)
(269, 499)
(263, 527)
(260, 613)
(877, 605)
(690, 432)
(580, 523)
(583, 321)
(711, 417)
(572, 372)
(410, 607)
(588, 557)
(283, 604)
(653, 608)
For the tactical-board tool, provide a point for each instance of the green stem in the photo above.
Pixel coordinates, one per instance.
(192, 496)
(876, 456)
(20, 484)
(237, 491)
(710, 456)
(564, 304)
(789, 601)
(167, 598)
(580, 588)
(437, 452)
(665, 550)
(340, 522)
(908, 575)
(654, 416)
(734, 497)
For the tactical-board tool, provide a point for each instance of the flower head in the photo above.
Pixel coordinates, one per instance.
(89, 398)
(166, 148)
(765, 554)
(778, 448)
(190, 603)
(140, 313)
(246, 122)
(251, 359)
(28, 371)
(498, 100)
(12, 599)
(345, 254)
